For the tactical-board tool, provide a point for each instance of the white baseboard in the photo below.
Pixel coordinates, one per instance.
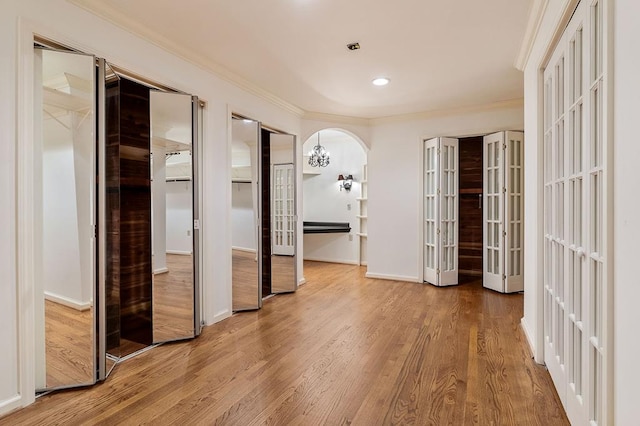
(186, 253)
(529, 336)
(68, 302)
(364, 263)
(341, 261)
(219, 317)
(391, 277)
(160, 271)
(302, 281)
(10, 404)
(245, 249)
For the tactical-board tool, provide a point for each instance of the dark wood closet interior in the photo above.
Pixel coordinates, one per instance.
(128, 207)
(265, 145)
(470, 208)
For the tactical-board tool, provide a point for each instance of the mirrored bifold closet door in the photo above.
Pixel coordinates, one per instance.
(440, 211)
(102, 291)
(246, 234)
(283, 213)
(151, 221)
(65, 197)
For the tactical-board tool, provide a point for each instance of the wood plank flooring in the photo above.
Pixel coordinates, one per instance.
(342, 350)
(68, 345)
(173, 299)
(245, 280)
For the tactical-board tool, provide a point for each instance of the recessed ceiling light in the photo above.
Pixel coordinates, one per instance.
(381, 81)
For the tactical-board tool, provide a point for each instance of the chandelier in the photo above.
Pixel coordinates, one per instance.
(318, 156)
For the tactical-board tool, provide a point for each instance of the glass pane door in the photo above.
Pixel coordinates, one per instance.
(430, 250)
(493, 183)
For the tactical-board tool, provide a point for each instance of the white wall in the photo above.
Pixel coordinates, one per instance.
(9, 390)
(625, 207)
(179, 217)
(66, 245)
(61, 21)
(159, 207)
(243, 222)
(323, 201)
(395, 175)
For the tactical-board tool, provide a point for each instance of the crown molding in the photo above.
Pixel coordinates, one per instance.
(425, 115)
(536, 12)
(335, 118)
(132, 26)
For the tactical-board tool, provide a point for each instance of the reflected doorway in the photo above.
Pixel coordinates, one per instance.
(246, 244)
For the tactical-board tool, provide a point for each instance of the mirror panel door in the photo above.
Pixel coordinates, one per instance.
(283, 213)
(246, 243)
(172, 219)
(66, 195)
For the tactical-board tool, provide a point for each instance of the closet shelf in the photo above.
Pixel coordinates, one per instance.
(470, 191)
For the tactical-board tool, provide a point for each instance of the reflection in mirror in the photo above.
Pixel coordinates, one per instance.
(245, 241)
(172, 216)
(283, 213)
(65, 348)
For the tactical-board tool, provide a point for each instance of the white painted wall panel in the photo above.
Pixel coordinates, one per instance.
(625, 212)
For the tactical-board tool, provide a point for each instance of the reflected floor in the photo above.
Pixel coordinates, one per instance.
(69, 345)
(173, 300)
(245, 280)
(283, 274)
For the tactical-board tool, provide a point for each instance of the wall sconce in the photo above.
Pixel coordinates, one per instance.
(345, 182)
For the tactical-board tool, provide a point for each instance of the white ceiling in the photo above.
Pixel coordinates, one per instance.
(439, 54)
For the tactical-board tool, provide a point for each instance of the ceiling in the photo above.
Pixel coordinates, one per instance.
(439, 54)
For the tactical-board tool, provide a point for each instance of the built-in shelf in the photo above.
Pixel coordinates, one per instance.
(362, 216)
(477, 191)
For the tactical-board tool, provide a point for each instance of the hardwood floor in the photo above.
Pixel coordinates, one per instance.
(245, 280)
(173, 300)
(344, 349)
(68, 345)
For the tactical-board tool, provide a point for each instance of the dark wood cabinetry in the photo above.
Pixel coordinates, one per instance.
(128, 180)
(470, 206)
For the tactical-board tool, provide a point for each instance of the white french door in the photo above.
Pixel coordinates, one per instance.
(440, 251)
(283, 232)
(493, 182)
(503, 234)
(575, 288)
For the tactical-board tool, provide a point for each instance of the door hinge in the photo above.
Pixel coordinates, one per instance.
(196, 224)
